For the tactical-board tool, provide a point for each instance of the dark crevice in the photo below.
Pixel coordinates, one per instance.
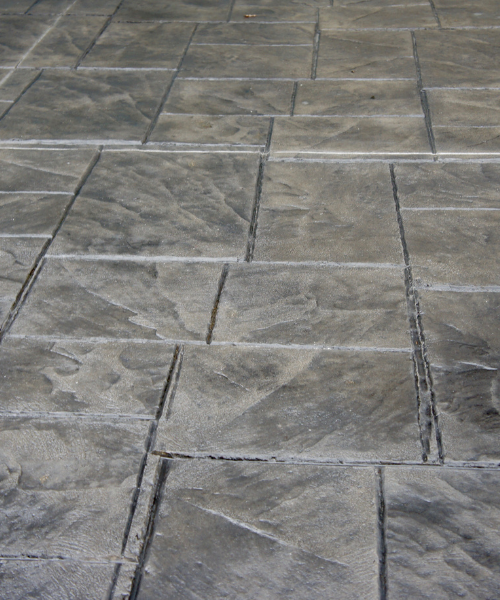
(314, 65)
(423, 97)
(294, 98)
(230, 12)
(435, 13)
(381, 538)
(213, 317)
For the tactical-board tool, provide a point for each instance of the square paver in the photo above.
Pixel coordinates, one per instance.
(324, 212)
(121, 299)
(293, 404)
(461, 336)
(366, 55)
(313, 305)
(159, 45)
(457, 13)
(86, 105)
(236, 530)
(152, 204)
(171, 10)
(442, 533)
(30, 214)
(83, 377)
(255, 33)
(19, 34)
(359, 16)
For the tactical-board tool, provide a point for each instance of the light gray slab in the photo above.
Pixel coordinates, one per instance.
(346, 136)
(19, 34)
(466, 58)
(230, 97)
(236, 530)
(326, 212)
(93, 7)
(454, 247)
(275, 11)
(313, 305)
(366, 55)
(57, 580)
(254, 33)
(247, 61)
(86, 105)
(357, 98)
(152, 204)
(67, 485)
(121, 299)
(65, 43)
(442, 534)
(231, 130)
(456, 13)
(295, 404)
(461, 331)
(462, 108)
(172, 10)
(140, 45)
(359, 16)
(460, 185)
(45, 170)
(17, 256)
(14, 6)
(14, 82)
(467, 140)
(28, 214)
(83, 377)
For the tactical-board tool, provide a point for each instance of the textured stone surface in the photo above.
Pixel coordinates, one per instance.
(31, 214)
(193, 10)
(17, 256)
(357, 16)
(255, 33)
(19, 34)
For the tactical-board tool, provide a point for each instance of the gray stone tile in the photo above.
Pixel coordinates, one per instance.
(295, 404)
(23, 214)
(140, 45)
(19, 34)
(189, 10)
(467, 140)
(50, 7)
(276, 10)
(320, 305)
(447, 185)
(366, 55)
(83, 377)
(152, 204)
(230, 97)
(86, 105)
(461, 331)
(252, 61)
(14, 6)
(454, 13)
(464, 108)
(454, 247)
(67, 485)
(121, 299)
(13, 83)
(65, 43)
(17, 256)
(5, 306)
(43, 170)
(254, 33)
(442, 534)
(359, 16)
(58, 580)
(232, 130)
(325, 212)
(93, 7)
(459, 58)
(350, 135)
(237, 530)
(357, 98)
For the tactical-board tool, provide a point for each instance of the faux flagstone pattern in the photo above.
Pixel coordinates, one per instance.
(249, 302)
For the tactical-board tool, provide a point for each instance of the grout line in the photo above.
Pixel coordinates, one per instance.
(452, 208)
(492, 289)
(29, 236)
(164, 98)
(317, 34)
(24, 90)
(213, 318)
(93, 42)
(31, 7)
(249, 44)
(423, 96)
(382, 542)
(435, 13)
(40, 414)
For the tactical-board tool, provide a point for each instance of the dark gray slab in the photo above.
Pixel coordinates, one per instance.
(466, 58)
(313, 305)
(464, 108)
(359, 16)
(43, 170)
(254, 33)
(171, 10)
(152, 204)
(19, 34)
(236, 530)
(121, 299)
(454, 247)
(83, 377)
(94, 7)
(31, 214)
(468, 141)
(230, 97)
(14, 82)
(67, 485)
(357, 98)
(456, 13)
(248, 61)
(86, 105)
(65, 43)
(396, 136)
(442, 534)
(58, 580)
(461, 331)
(276, 11)
(460, 185)
(17, 256)
(316, 405)
(366, 54)
(325, 212)
(140, 45)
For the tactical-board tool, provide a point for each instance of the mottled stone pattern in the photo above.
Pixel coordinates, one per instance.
(249, 299)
